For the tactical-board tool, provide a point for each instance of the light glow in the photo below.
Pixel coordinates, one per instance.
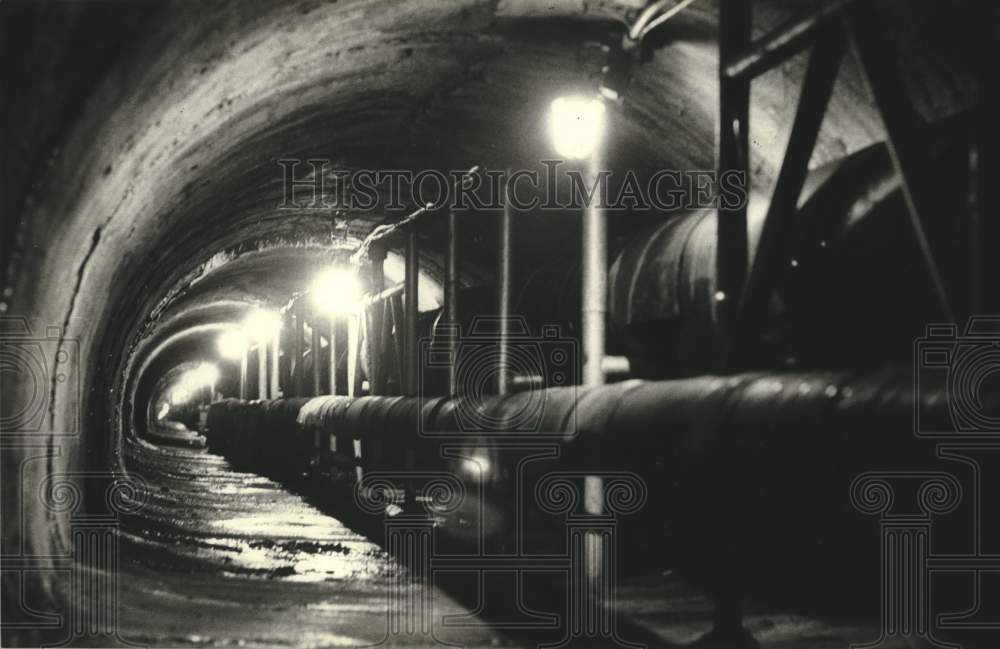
(233, 344)
(336, 292)
(179, 395)
(205, 374)
(262, 326)
(577, 126)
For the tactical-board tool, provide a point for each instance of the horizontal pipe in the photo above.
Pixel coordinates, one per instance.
(383, 232)
(679, 418)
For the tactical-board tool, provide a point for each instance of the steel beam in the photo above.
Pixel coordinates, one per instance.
(771, 258)
(782, 43)
(902, 134)
(733, 157)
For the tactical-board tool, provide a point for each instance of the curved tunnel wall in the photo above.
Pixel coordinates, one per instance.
(172, 157)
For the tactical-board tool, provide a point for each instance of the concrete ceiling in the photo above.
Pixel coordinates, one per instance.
(170, 158)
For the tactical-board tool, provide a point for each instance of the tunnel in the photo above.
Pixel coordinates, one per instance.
(500, 323)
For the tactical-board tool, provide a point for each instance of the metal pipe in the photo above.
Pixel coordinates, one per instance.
(595, 277)
(616, 365)
(333, 354)
(398, 363)
(412, 272)
(262, 370)
(275, 390)
(373, 337)
(298, 347)
(353, 376)
(352, 354)
(643, 31)
(316, 343)
(451, 298)
(384, 294)
(504, 282)
(385, 231)
(244, 371)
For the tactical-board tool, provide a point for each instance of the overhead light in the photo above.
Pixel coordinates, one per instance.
(179, 395)
(233, 344)
(336, 291)
(206, 374)
(576, 125)
(262, 325)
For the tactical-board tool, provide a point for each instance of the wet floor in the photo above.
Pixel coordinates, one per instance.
(224, 558)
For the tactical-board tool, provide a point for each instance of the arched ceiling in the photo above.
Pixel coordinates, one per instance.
(173, 158)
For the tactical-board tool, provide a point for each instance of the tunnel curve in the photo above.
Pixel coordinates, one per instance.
(132, 218)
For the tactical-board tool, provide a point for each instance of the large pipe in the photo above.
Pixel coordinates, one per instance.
(726, 449)
(678, 418)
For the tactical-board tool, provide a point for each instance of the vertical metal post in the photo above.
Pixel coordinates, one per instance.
(353, 377)
(244, 371)
(412, 311)
(451, 298)
(262, 369)
(771, 257)
(316, 344)
(732, 243)
(333, 354)
(733, 157)
(986, 166)
(297, 348)
(504, 282)
(373, 333)
(595, 277)
(275, 391)
(352, 354)
(903, 139)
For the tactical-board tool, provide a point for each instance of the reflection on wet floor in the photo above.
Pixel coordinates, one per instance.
(225, 558)
(202, 511)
